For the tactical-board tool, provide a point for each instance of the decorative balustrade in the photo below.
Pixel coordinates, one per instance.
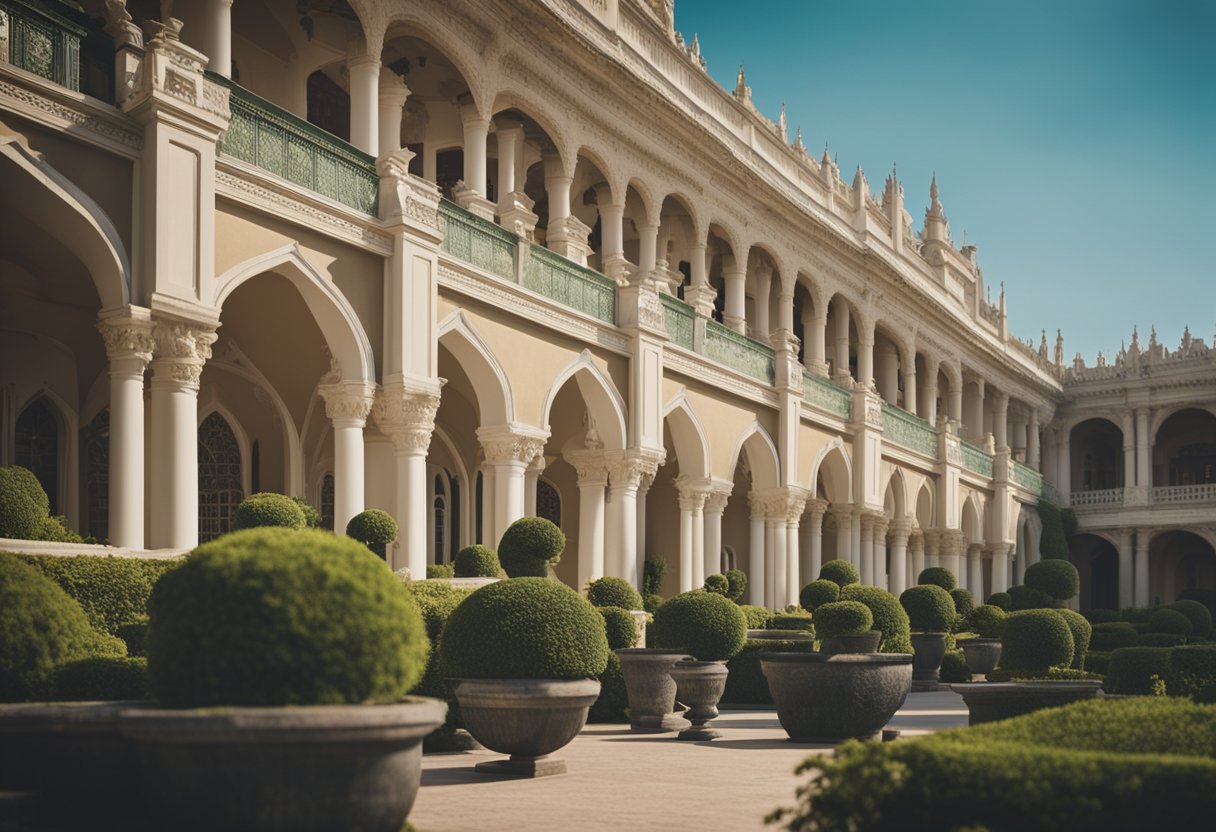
(283, 144)
(903, 428)
(680, 319)
(1097, 497)
(1050, 493)
(976, 459)
(41, 41)
(818, 391)
(476, 241)
(1201, 493)
(570, 284)
(1027, 477)
(738, 352)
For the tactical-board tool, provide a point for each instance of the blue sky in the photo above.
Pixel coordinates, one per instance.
(1073, 140)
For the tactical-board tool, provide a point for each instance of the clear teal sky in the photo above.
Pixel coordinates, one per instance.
(1074, 140)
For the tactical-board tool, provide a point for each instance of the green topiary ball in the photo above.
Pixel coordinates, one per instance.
(718, 584)
(373, 528)
(1035, 640)
(843, 618)
(268, 509)
(1056, 578)
(736, 580)
(524, 628)
(24, 506)
(267, 617)
(986, 621)
(529, 546)
(758, 618)
(312, 517)
(1002, 600)
(1199, 616)
(1081, 631)
(963, 602)
(889, 616)
(839, 572)
(710, 627)
(108, 679)
(476, 561)
(817, 593)
(930, 608)
(954, 667)
(613, 592)
(1166, 620)
(937, 576)
(1029, 598)
(650, 603)
(621, 629)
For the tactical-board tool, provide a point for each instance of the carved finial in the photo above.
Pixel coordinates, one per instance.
(1002, 299)
(859, 179)
(1043, 346)
(1152, 336)
(933, 187)
(798, 145)
(782, 124)
(1059, 351)
(742, 91)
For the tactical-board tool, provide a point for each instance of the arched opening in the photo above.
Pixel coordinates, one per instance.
(1184, 449)
(1097, 562)
(842, 339)
(687, 465)
(1096, 447)
(888, 368)
(1180, 562)
(220, 477)
(677, 242)
(763, 294)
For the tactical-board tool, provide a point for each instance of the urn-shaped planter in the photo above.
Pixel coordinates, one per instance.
(308, 768)
(866, 642)
(928, 650)
(827, 699)
(982, 654)
(990, 701)
(526, 718)
(652, 691)
(699, 685)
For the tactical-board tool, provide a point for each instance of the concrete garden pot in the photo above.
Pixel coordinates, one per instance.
(928, 650)
(828, 699)
(990, 701)
(652, 691)
(982, 654)
(780, 635)
(866, 642)
(526, 718)
(699, 685)
(306, 769)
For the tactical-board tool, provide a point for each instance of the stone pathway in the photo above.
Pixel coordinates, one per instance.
(620, 781)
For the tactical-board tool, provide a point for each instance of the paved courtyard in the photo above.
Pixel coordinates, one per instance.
(623, 781)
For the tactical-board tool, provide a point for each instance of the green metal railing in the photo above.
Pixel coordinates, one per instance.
(976, 459)
(1027, 477)
(738, 352)
(570, 284)
(283, 144)
(42, 42)
(482, 243)
(822, 393)
(903, 428)
(680, 320)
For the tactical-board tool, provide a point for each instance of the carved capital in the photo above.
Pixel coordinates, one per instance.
(717, 500)
(1000, 550)
(127, 336)
(630, 471)
(694, 493)
(590, 467)
(348, 400)
(407, 417)
(900, 530)
(931, 540)
(180, 351)
(504, 445)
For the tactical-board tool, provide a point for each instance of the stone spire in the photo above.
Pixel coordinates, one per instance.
(1043, 346)
(1003, 314)
(936, 227)
(742, 91)
(798, 145)
(1059, 353)
(859, 179)
(783, 125)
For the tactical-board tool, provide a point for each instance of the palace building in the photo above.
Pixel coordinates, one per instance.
(470, 260)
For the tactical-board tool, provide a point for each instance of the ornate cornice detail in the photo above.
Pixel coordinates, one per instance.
(41, 107)
(348, 401)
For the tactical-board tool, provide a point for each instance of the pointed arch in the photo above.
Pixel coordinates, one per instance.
(972, 519)
(688, 435)
(238, 431)
(603, 400)
(490, 382)
(897, 487)
(833, 464)
(926, 505)
(762, 456)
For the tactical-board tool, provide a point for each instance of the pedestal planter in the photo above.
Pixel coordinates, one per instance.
(827, 699)
(866, 642)
(982, 654)
(652, 691)
(278, 769)
(780, 635)
(699, 685)
(526, 718)
(990, 701)
(928, 650)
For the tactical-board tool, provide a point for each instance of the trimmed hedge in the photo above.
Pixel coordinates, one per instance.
(736, 581)
(1132, 668)
(653, 570)
(135, 636)
(112, 591)
(619, 627)
(436, 601)
(937, 576)
(613, 592)
(1192, 672)
(268, 509)
(1166, 620)
(612, 705)
(1051, 674)
(817, 593)
(757, 618)
(1101, 616)
(373, 528)
(1036, 640)
(954, 667)
(717, 583)
(843, 618)
(963, 602)
(440, 570)
(24, 506)
(650, 603)
(524, 628)
(265, 617)
(1097, 661)
(791, 621)
(1159, 640)
(1056, 578)
(1199, 616)
(312, 517)
(889, 616)
(530, 546)
(840, 572)
(1053, 543)
(476, 561)
(1136, 615)
(708, 626)
(1028, 598)
(1081, 631)
(105, 679)
(746, 684)
(986, 621)
(930, 608)
(1112, 635)
(1002, 600)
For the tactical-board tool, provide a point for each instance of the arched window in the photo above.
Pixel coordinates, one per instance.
(548, 502)
(440, 507)
(38, 446)
(97, 475)
(219, 477)
(327, 501)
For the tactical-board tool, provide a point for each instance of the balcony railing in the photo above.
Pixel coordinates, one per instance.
(1097, 497)
(903, 428)
(42, 42)
(476, 241)
(285, 145)
(976, 459)
(738, 352)
(1201, 493)
(570, 284)
(680, 320)
(1027, 477)
(821, 393)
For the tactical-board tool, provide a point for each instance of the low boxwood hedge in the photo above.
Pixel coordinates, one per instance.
(476, 561)
(890, 619)
(112, 591)
(746, 684)
(1112, 635)
(1159, 640)
(840, 572)
(1132, 669)
(1192, 672)
(817, 593)
(757, 618)
(613, 592)
(791, 621)
(1102, 616)
(102, 679)
(706, 625)
(1097, 661)
(1199, 616)
(1166, 620)
(1035, 640)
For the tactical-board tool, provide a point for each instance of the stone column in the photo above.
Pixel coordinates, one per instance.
(897, 580)
(347, 405)
(842, 372)
(487, 506)
(364, 72)
(648, 243)
(888, 374)
(715, 504)
(1126, 582)
(1000, 419)
(776, 536)
(625, 477)
(470, 192)
(129, 346)
(1064, 467)
(699, 293)
(693, 496)
(393, 95)
(867, 548)
(956, 403)
(1129, 449)
(881, 524)
(1144, 451)
(640, 554)
(735, 313)
(1000, 568)
(760, 303)
(182, 348)
(812, 541)
(612, 237)
(843, 515)
(510, 451)
(916, 549)
(756, 579)
(218, 37)
(592, 481)
(531, 478)
(407, 417)
(865, 353)
(1141, 589)
(910, 386)
(951, 550)
(975, 570)
(1032, 440)
(508, 134)
(928, 404)
(792, 582)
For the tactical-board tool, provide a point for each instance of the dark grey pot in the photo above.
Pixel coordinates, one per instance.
(928, 650)
(308, 769)
(699, 685)
(652, 691)
(982, 654)
(866, 642)
(827, 699)
(990, 701)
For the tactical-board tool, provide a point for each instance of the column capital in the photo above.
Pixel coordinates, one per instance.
(406, 416)
(1000, 549)
(900, 529)
(506, 444)
(694, 492)
(975, 549)
(931, 539)
(717, 499)
(817, 507)
(952, 542)
(348, 401)
(181, 350)
(128, 335)
(632, 468)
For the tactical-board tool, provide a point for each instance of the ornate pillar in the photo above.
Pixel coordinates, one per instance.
(910, 386)
(897, 580)
(928, 404)
(514, 206)
(129, 346)
(952, 548)
(470, 192)
(648, 244)
(760, 303)
(735, 313)
(1032, 440)
(1064, 467)
(510, 450)
(625, 477)
(1126, 582)
(975, 570)
(715, 504)
(218, 34)
(916, 549)
(407, 417)
(643, 491)
(592, 481)
(1144, 450)
(881, 524)
(612, 235)
(795, 507)
(347, 405)
(757, 577)
(816, 337)
(1000, 568)
(1141, 588)
(487, 537)
(775, 539)
(842, 373)
(393, 95)
(843, 515)
(887, 374)
(865, 353)
(1127, 423)
(1000, 419)
(812, 548)
(364, 72)
(867, 548)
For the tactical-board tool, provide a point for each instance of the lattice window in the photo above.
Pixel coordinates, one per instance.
(327, 501)
(548, 502)
(219, 477)
(97, 475)
(38, 446)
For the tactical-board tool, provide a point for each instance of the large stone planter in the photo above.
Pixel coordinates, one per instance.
(780, 635)
(699, 685)
(652, 691)
(928, 650)
(307, 769)
(526, 718)
(982, 654)
(827, 699)
(990, 701)
(866, 642)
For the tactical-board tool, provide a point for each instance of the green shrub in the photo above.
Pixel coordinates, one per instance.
(1192, 672)
(374, 528)
(1199, 616)
(102, 679)
(930, 608)
(1166, 620)
(890, 619)
(436, 601)
(112, 591)
(840, 572)
(705, 625)
(524, 628)
(1028, 598)
(530, 546)
(1081, 631)
(800, 620)
(1132, 669)
(986, 621)
(1136, 615)
(1002, 600)
(1112, 635)
(1207, 597)
(1035, 640)
(312, 517)
(650, 603)
(746, 684)
(1159, 640)
(279, 617)
(476, 561)
(24, 506)
(440, 570)
(1102, 616)
(717, 583)
(963, 602)
(134, 635)
(937, 576)
(954, 667)
(1051, 674)
(736, 581)
(1052, 543)
(1097, 661)
(612, 705)
(1058, 579)
(817, 593)
(757, 618)
(268, 509)
(653, 570)
(621, 630)
(55, 530)
(843, 618)
(613, 592)
(1068, 522)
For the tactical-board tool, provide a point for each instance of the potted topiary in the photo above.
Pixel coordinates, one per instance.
(817, 593)
(931, 615)
(530, 547)
(983, 652)
(711, 629)
(618, 592)
(375, 529)
(736, 582)
(280, 659)
(846, 627)
(522, 656)
(268, 509)
(476, 561)
(937, 576)
(840, 572)
(717, 583)
(889, 617)
(436, 600)
(613, 702)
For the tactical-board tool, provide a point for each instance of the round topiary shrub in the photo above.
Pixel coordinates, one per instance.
(954, 667)
(613, 592)
(1056, 578)
(843, 618)
(718, 584)
(1101, 616)
(930, 608)
(817, 593)
(1199, 616)
(529, 546)
(312, 517)
(963, 602)
(374, 528)
(1081, 631)
(476, 561)
(267, 617)
(1028, 598)
(937, 576)
(24, 506)
(1132, 670)
(267, 509)
(890, 619)
(1112, 635)
(1166, 620)
(524, 628)
(1002, 600)
(436, 570)
(1036, 640)
(621, 629)
(986, 621)
(650, 603)
(839, 572)
(107, 679)
(736, 581)
(709, 627)
(758, 618)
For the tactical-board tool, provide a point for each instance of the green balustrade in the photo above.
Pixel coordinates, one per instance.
(43, 42)
(1027, 477)
(821, 393)
(976, 459)
(738, 352)
(476, 241)
(902, 428)
(680, 319)
(570, 284)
